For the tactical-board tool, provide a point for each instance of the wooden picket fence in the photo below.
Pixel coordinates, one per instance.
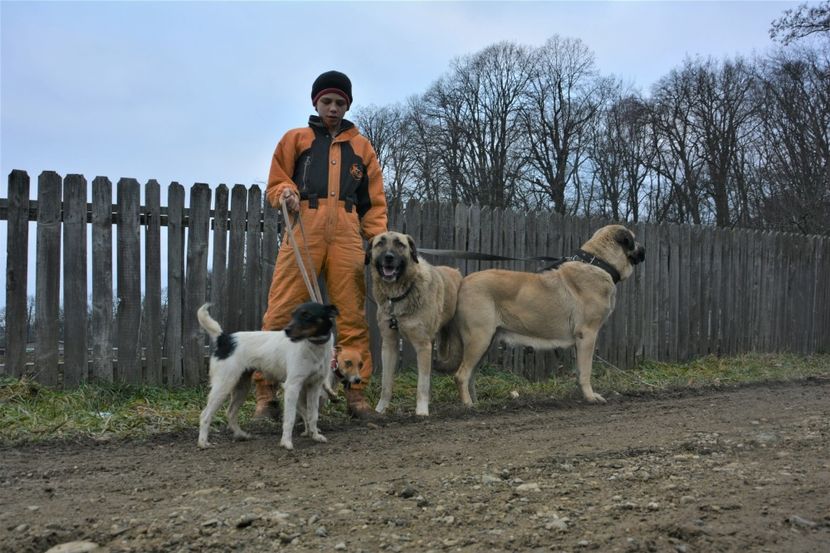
(701, 290)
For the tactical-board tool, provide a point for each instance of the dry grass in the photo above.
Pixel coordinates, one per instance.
(30, 412)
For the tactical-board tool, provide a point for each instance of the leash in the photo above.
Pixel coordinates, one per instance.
(578, 255)
(310, 283)
(477, 256)
(310, 279)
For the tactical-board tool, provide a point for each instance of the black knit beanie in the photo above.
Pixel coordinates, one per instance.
(332, 81)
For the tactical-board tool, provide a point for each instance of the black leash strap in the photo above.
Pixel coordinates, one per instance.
(578, 255)
(461, 254)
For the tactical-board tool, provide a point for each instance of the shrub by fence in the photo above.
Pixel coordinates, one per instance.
(701, 290)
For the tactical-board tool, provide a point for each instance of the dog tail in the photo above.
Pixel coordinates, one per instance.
(449, 348)
(208, 323)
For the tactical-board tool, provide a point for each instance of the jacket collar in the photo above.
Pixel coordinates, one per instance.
(346, 127)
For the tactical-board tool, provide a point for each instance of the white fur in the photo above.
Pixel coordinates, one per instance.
(302, 367)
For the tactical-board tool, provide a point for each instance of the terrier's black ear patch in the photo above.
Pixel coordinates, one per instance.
(413, 253)
(625, 239)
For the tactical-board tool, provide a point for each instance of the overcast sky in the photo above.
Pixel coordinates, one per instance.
(202, 91)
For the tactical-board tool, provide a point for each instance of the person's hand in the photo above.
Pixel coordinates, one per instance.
(291, 200)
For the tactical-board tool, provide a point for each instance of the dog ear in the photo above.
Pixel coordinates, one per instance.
(413, 253)
(625, 239)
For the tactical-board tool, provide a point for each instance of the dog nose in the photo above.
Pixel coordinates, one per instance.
(357, 380)
(388, 257)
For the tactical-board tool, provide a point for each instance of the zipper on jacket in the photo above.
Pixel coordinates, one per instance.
(305, 172)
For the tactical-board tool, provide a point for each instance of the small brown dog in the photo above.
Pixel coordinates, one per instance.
(348, 367)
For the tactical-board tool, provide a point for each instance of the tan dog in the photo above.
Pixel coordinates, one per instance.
(349, 365)
(558, 307)
(415, 300)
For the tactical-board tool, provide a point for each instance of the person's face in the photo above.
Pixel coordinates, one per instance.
(331, 108)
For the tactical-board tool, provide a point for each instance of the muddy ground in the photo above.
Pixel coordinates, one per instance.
(743, 469)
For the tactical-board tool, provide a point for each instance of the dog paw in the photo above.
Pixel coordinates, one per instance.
(381, 408)
(319, 438)
(286, 444)
(422, 412)
(204, 444)
(241, 436)
(596, 398)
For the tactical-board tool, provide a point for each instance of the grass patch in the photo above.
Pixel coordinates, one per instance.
(30, 412)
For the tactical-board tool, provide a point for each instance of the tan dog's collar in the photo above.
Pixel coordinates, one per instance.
(591, 259)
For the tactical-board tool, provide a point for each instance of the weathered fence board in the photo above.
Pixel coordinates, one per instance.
(151, 319)
(236, 261)
(75, 369)
(700, 291)
(195, 290)
(17, 273)
(128, 278)
(270, 246)
(218, 274)
(253, 270)
(102, 320)
(175, 285)
(47, 278)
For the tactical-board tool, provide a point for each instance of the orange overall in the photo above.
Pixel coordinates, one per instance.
(342, 202)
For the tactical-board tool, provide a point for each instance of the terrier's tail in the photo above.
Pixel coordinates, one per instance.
(208, 323)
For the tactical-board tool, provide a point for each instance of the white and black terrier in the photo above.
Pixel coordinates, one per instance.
(299, 356)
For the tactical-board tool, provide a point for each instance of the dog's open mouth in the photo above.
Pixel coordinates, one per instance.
(389, 273)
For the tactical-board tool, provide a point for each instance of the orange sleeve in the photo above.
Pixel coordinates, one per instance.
(374, 221)
(282, 167)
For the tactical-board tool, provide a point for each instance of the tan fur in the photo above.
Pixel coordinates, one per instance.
(349, 361)
(552, 309)
(428, 306)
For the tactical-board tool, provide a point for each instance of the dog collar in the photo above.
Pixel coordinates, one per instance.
(591, 259)
(402, 296)
(319, 340)
(393, 320)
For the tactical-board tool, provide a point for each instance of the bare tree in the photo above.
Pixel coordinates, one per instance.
(621, 153)
(722, 115)
(678, 160)
(800, 22)
(564, 97)
(469, 117)
(795, 141)
(389, 129)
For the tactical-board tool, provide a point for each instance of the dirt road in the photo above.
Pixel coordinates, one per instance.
(744, 469)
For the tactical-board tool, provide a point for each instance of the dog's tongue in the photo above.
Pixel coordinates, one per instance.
(388, 271)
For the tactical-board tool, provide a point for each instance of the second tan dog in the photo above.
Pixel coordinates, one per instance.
(415, 300)
(555, 308)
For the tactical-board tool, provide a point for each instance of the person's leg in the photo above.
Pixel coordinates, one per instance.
(346, 283)
(287, 291)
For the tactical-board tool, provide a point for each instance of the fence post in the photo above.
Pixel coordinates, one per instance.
(218, 275)
(102, 280)
(152, 286)
(47, 293)
(75, 363)
(196, 283)
(175, 281)
(270, 245)
(17, 273)
(128, 260)
(236, 261)
(253, 271)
